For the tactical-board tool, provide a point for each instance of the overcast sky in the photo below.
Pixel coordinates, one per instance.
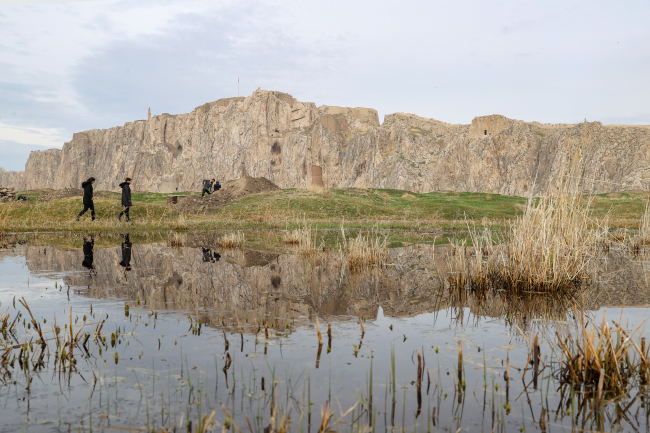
(72, 66)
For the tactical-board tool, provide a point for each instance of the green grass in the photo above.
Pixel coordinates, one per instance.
(374, 205)
(353, 207)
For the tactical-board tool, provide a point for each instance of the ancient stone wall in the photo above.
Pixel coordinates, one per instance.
(489, 126)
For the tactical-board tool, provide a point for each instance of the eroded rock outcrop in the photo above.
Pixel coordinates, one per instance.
(12, 179)
(273, 135)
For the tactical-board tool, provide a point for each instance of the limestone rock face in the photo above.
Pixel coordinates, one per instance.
(12, 179)
(271, 134)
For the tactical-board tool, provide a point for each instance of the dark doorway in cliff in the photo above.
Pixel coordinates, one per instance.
(276, 281)
(316, 175)
(485, 132)
(276, 149)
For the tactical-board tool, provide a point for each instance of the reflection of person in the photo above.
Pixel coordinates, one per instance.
(208, 256)
(89, 249)
(126, 199)
(126, 254)
(88, 198)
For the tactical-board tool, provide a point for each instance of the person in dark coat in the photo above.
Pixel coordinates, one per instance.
(89, 249)
(88, 198)
(126, 199)
(207, 187)
(126, 254)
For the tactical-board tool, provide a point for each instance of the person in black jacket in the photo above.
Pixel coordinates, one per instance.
(89, 249)
(207, 187)
(88, 198)
(126, 199)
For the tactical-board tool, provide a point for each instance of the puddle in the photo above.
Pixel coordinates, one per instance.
(190, 329)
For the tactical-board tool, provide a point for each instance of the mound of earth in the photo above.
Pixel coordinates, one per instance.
(230, 190)
(61, 193)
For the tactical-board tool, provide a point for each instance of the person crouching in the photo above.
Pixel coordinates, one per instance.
(126, 199)
(88, 198)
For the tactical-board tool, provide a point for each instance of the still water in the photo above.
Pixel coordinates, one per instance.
(182, 337)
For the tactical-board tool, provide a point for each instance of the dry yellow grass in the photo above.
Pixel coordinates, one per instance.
(366, 250)
(641, 240)
(552, 246)
(606, 358)
(231, 240)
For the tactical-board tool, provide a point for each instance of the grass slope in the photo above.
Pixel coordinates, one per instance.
(362, 208)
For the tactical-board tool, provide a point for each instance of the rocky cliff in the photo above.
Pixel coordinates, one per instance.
(292, 143)
(12, 179)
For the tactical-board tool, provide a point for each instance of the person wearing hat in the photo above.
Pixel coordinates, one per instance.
(88, 198)
(126, 199)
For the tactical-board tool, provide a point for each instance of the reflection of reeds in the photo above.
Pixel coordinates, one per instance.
(176, 240)
(231, 240)
(516, 308)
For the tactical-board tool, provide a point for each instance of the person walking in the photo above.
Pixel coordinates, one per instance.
(88, 198)
(126, 199)
(207, 187)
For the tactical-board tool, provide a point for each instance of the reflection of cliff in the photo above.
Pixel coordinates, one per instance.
(264, 285)
(246, 280)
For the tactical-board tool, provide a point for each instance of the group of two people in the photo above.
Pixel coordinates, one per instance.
(89, 197)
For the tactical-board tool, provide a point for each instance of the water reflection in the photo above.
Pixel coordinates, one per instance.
(88, 252)
(259, 284)
(126, 254)
(378, 323)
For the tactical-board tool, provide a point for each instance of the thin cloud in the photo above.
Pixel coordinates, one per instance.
(68, 67)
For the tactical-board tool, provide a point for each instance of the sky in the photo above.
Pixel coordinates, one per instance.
(71, 66)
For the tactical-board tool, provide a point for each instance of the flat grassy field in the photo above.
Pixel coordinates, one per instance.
(290, 208)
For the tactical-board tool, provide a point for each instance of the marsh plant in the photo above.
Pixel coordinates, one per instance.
(370, 249)
(231, 240)
(551, 247)
(604, 358)
(639, 242)
(304, 239)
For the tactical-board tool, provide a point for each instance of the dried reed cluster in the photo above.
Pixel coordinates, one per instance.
(366, 250)
(231, 240)
(605, 358)
(176, 239)
(550, 247)
(640, 242)
(305, 240)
